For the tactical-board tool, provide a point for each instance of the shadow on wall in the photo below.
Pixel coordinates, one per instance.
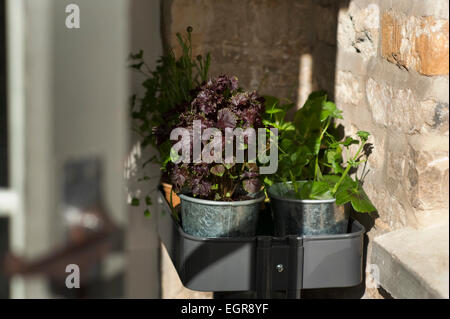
(281, 48)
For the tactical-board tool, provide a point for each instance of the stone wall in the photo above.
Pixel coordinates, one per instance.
(384, 62)
(392, 80)
(270, 45)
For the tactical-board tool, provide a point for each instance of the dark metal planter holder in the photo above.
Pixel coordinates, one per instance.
(264, 264)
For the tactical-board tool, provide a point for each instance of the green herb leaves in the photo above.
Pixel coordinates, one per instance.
(311, 150)
(363, 135)
(350, 190)
(315, 190)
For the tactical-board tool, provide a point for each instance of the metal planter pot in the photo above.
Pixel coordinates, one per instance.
(305, 216)
(212, 219)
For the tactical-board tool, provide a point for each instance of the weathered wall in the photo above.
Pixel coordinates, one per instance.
(392, 80)
(384, 62)
(271, 45)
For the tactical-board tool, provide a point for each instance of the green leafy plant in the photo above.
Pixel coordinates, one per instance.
(311, 153)
(168, 91)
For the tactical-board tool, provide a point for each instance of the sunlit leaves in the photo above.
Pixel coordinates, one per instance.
(315, 190)
(312, 150)
(333, 158)
(360, 201)
(268, 181)
(218, 170)
(329, 109)
(363, 135)
(349, 141)
(274, 110)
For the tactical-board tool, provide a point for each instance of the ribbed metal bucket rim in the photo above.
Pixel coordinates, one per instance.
(301, 201)
(221, 203)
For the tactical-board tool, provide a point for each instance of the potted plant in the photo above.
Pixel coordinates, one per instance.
(220, 198)
(313, 178)
(168, 91)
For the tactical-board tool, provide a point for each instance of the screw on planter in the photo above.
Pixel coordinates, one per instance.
(280, 267)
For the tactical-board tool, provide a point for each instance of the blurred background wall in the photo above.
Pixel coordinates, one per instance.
(143, 271)
(68, 92)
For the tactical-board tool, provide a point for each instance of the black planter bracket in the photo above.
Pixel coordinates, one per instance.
(262, 263)
(279, 264)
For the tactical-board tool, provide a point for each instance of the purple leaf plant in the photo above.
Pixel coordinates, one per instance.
(221, 104)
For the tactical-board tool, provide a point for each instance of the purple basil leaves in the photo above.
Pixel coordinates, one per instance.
(221, 104)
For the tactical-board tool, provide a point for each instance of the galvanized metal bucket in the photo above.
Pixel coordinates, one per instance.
(305, 216)
(207, 218)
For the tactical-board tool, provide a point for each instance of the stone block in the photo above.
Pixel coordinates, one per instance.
(413, 263)
(358, 29)
(418, 176)
(349, 89)
(418, 43)
(429, 179)
(399, 109)
(391, 211)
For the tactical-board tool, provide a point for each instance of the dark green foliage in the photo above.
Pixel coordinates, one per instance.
(135, 202)
(168, 90)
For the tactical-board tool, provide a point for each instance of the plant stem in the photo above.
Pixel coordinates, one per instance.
(294, 182)
(335, 188)
(282, 151)
(316, 168)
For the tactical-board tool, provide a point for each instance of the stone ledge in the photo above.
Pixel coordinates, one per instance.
(414, 263)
